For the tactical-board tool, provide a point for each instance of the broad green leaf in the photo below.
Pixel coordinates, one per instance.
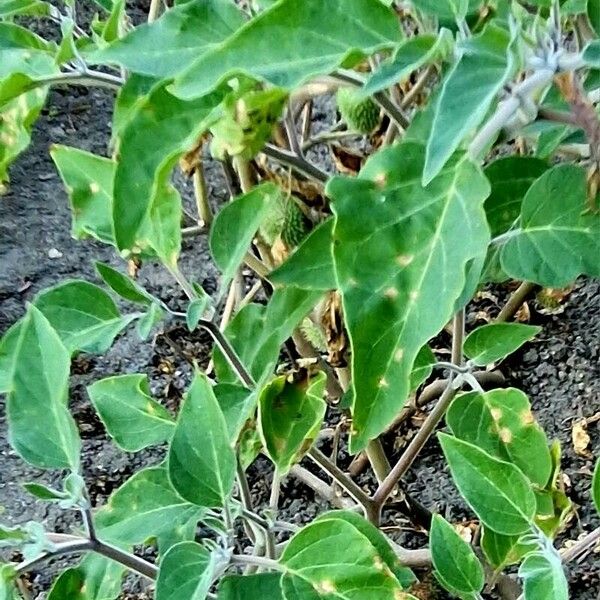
(8, 344)
(495, 341)
(403, 574)
(237, 405)
(445, 9)
(123, 285)
(482, 70)
(422, 367)
(88, 179)
(333, 559)
(573, 7)
(130, 97)
(292, 42)
(160, 129)
(235, 226)
(290, 415)
(503, 550)
(44, 492)
(201, 458)
(185, 572)
(414, 53)
(41, 429)
(175, 40)
(12, 536)
(83, 314)
(543, 577)
(310, 267)
(257, 332)
(147, 507)
(10, 8)
(593, 9)
(591, 54)
(8, 589)
(70, 585)
(393, 242)
(453, 559)
(596, 486)
(497, 491)
(251, 587)
(148, 320)
(195, 310)
(131, 416)
(559, 237)
(501, 423)
(510, 178)
(24, 52)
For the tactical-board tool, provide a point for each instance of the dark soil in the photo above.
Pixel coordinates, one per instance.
(560, 370)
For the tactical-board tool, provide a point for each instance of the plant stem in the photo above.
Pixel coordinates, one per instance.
(88, 77)
(378, 459)
(257, 561)
(275, 493)
(153, 10)
(71, 547)
(428, 427)
(180, 278)
(320, 487)
(205, 215)
(515, 301)
(245, 172)
(296, 162)
(582, 546)
(329, 136)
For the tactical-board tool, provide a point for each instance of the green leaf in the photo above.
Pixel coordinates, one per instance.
(510, 178)
(196, 309)
(174, 41)
(123, 285)
(414, 53)
(445, 9)
(41, 429)
(558, 238)
(385, 217)
(8, 345)
(257, 332)
(310, 267)
(148, 320)
(331, 558)
(544, 577)
(422, 367)
(70, 585)
(501, 423)
(482, 69)
(596, 486)
(88, 179)
(497, 491)
(235, 226)
(44, 492)
(305, 39)
(12, 536)
(251, 587)
(403, 574)
(237, 404)
(495, 341)
(185, 572)
(83, 314)
(290, 415)
(593, 9)
(131, 417)
(503, 550)
(201, 458)
(147, 507)
(24, 52)
(159, 130)
(11, 8)
(591, 54)
(453, 559)
(8, 575)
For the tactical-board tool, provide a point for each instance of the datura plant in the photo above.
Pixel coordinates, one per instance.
(481, 127)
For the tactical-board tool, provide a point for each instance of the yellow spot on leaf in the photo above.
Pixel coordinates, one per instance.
(496, 414)
(505, 435)
(383, 383)
(413, 295)
(391, 293)
(380, 180)
(527, 417)
(94, 187)
(398, 354)
(405, 259)
(325, 587)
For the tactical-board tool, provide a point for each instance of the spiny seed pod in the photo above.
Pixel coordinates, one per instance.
(361, 114)
(272, 225)
(313, 334)
(294, 225)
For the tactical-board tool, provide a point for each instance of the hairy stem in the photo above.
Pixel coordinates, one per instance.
(320, 487)
(297, 163)
(88, 77)
(516, 301)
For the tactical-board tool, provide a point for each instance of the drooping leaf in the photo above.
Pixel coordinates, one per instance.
(237, 404)
(422, 367)
(12, 536)
(160, 129)
(131, 416)
(482, 69)
(257, 332)
(290, 416)
(41, 429)
(495, 341)
(147, 507)
(149, 320)
(304, 39)
(201, 458)
(501, 423)
(44, 492)
(510, 177)
(414, 53)
(596, 486)
(558, 237)
(195, 310)
(185, 572)
(123, 285)
(88, 179)
(497, 491)
(544, 577)
(386, 218)
(333, 559)
(310, 267)
(83, 314)
(235, 226)
(453, 559)
(251, 587)
(8, 344)
(174, 41)
(403, 574)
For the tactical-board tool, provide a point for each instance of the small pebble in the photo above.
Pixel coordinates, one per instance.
(54, 253)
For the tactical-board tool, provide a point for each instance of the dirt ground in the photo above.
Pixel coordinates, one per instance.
(560, 370)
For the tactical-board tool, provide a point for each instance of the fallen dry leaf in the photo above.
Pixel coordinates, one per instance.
(552, 301)
(580, 437)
